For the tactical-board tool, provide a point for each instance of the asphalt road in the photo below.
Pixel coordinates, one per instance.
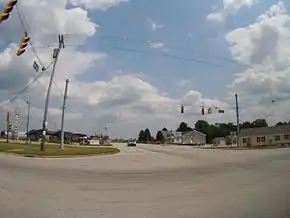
(149, 181)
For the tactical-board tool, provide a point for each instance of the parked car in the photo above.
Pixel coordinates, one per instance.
(131, 143)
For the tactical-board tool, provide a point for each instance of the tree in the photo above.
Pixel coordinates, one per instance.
(282, 123)
(202, 126)
(183, 127)
(259, 123)
(147, 135)
(141, 136)
(246, 125)
(160, 136)
(164, 129)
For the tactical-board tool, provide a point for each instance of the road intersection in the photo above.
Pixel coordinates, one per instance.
(149, 181)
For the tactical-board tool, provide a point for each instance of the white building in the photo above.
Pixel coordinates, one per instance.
(193, 137)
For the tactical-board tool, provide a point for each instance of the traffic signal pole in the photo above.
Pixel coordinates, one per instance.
(44, 124)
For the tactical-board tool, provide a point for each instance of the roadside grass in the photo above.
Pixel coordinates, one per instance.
(52, 150)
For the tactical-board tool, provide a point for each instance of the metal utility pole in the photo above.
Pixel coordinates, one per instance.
(238, 120)
(8, 125)
(27, 122)
(15, 126)
(62, 116)
(55, 57)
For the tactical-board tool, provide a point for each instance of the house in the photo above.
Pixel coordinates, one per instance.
(192, 137)
(227, 140)
(263, 136)
(168, 136)
(220, 141)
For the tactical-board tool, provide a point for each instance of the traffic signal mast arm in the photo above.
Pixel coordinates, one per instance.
(7, 10)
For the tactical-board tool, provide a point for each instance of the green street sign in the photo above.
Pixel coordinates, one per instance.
(35, 66)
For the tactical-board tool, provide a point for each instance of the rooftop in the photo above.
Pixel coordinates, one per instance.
(265, 130)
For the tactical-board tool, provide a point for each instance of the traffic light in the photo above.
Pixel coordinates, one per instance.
(182, 109)
(23, 45)
(202, 110)
(7, 10)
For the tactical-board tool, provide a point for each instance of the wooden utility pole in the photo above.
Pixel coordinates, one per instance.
(238, 120)
(62, 116)
(55, 57)
(27, 122)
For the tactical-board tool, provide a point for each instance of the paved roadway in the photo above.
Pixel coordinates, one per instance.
(149, 181)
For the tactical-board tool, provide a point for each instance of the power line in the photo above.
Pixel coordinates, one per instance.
(25, 29)
(19, 94)
(168, 45)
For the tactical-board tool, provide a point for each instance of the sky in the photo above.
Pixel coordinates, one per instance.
(132, 63)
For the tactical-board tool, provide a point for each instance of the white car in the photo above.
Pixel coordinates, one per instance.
(131, 143)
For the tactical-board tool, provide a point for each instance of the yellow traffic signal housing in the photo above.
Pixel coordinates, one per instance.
(23, 45)
(7, 10)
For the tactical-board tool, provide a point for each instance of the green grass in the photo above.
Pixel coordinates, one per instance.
(33, 150)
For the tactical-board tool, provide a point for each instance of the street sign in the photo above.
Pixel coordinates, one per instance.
(35, 66)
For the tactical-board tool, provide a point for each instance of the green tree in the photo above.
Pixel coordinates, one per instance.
(246, 125)
(282, 123)
(201, 126)
(141, 136)
(183, 127)
(147, 135)
(160, 136)
(259, 123)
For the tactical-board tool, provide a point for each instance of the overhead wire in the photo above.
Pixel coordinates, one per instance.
(167, 55)
(20, 93)
(25, 27)
(111, 38)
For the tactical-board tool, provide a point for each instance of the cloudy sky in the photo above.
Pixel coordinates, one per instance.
(132, 63)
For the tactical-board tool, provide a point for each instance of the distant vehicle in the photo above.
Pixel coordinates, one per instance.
(131, 143)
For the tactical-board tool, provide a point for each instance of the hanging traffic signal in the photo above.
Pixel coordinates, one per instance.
(202, 110)
(182, 109)
(23, 45)
(7, 10)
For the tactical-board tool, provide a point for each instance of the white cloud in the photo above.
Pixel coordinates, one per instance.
(264, 87)
(184, 82)
(230, 7)
(154, 25)
(156, 44)
(97, 4)
(125, 103)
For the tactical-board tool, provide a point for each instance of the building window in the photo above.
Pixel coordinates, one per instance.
(286, 137)
(258, 139)
(244, 140)
(263, 139)
(277, 138)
